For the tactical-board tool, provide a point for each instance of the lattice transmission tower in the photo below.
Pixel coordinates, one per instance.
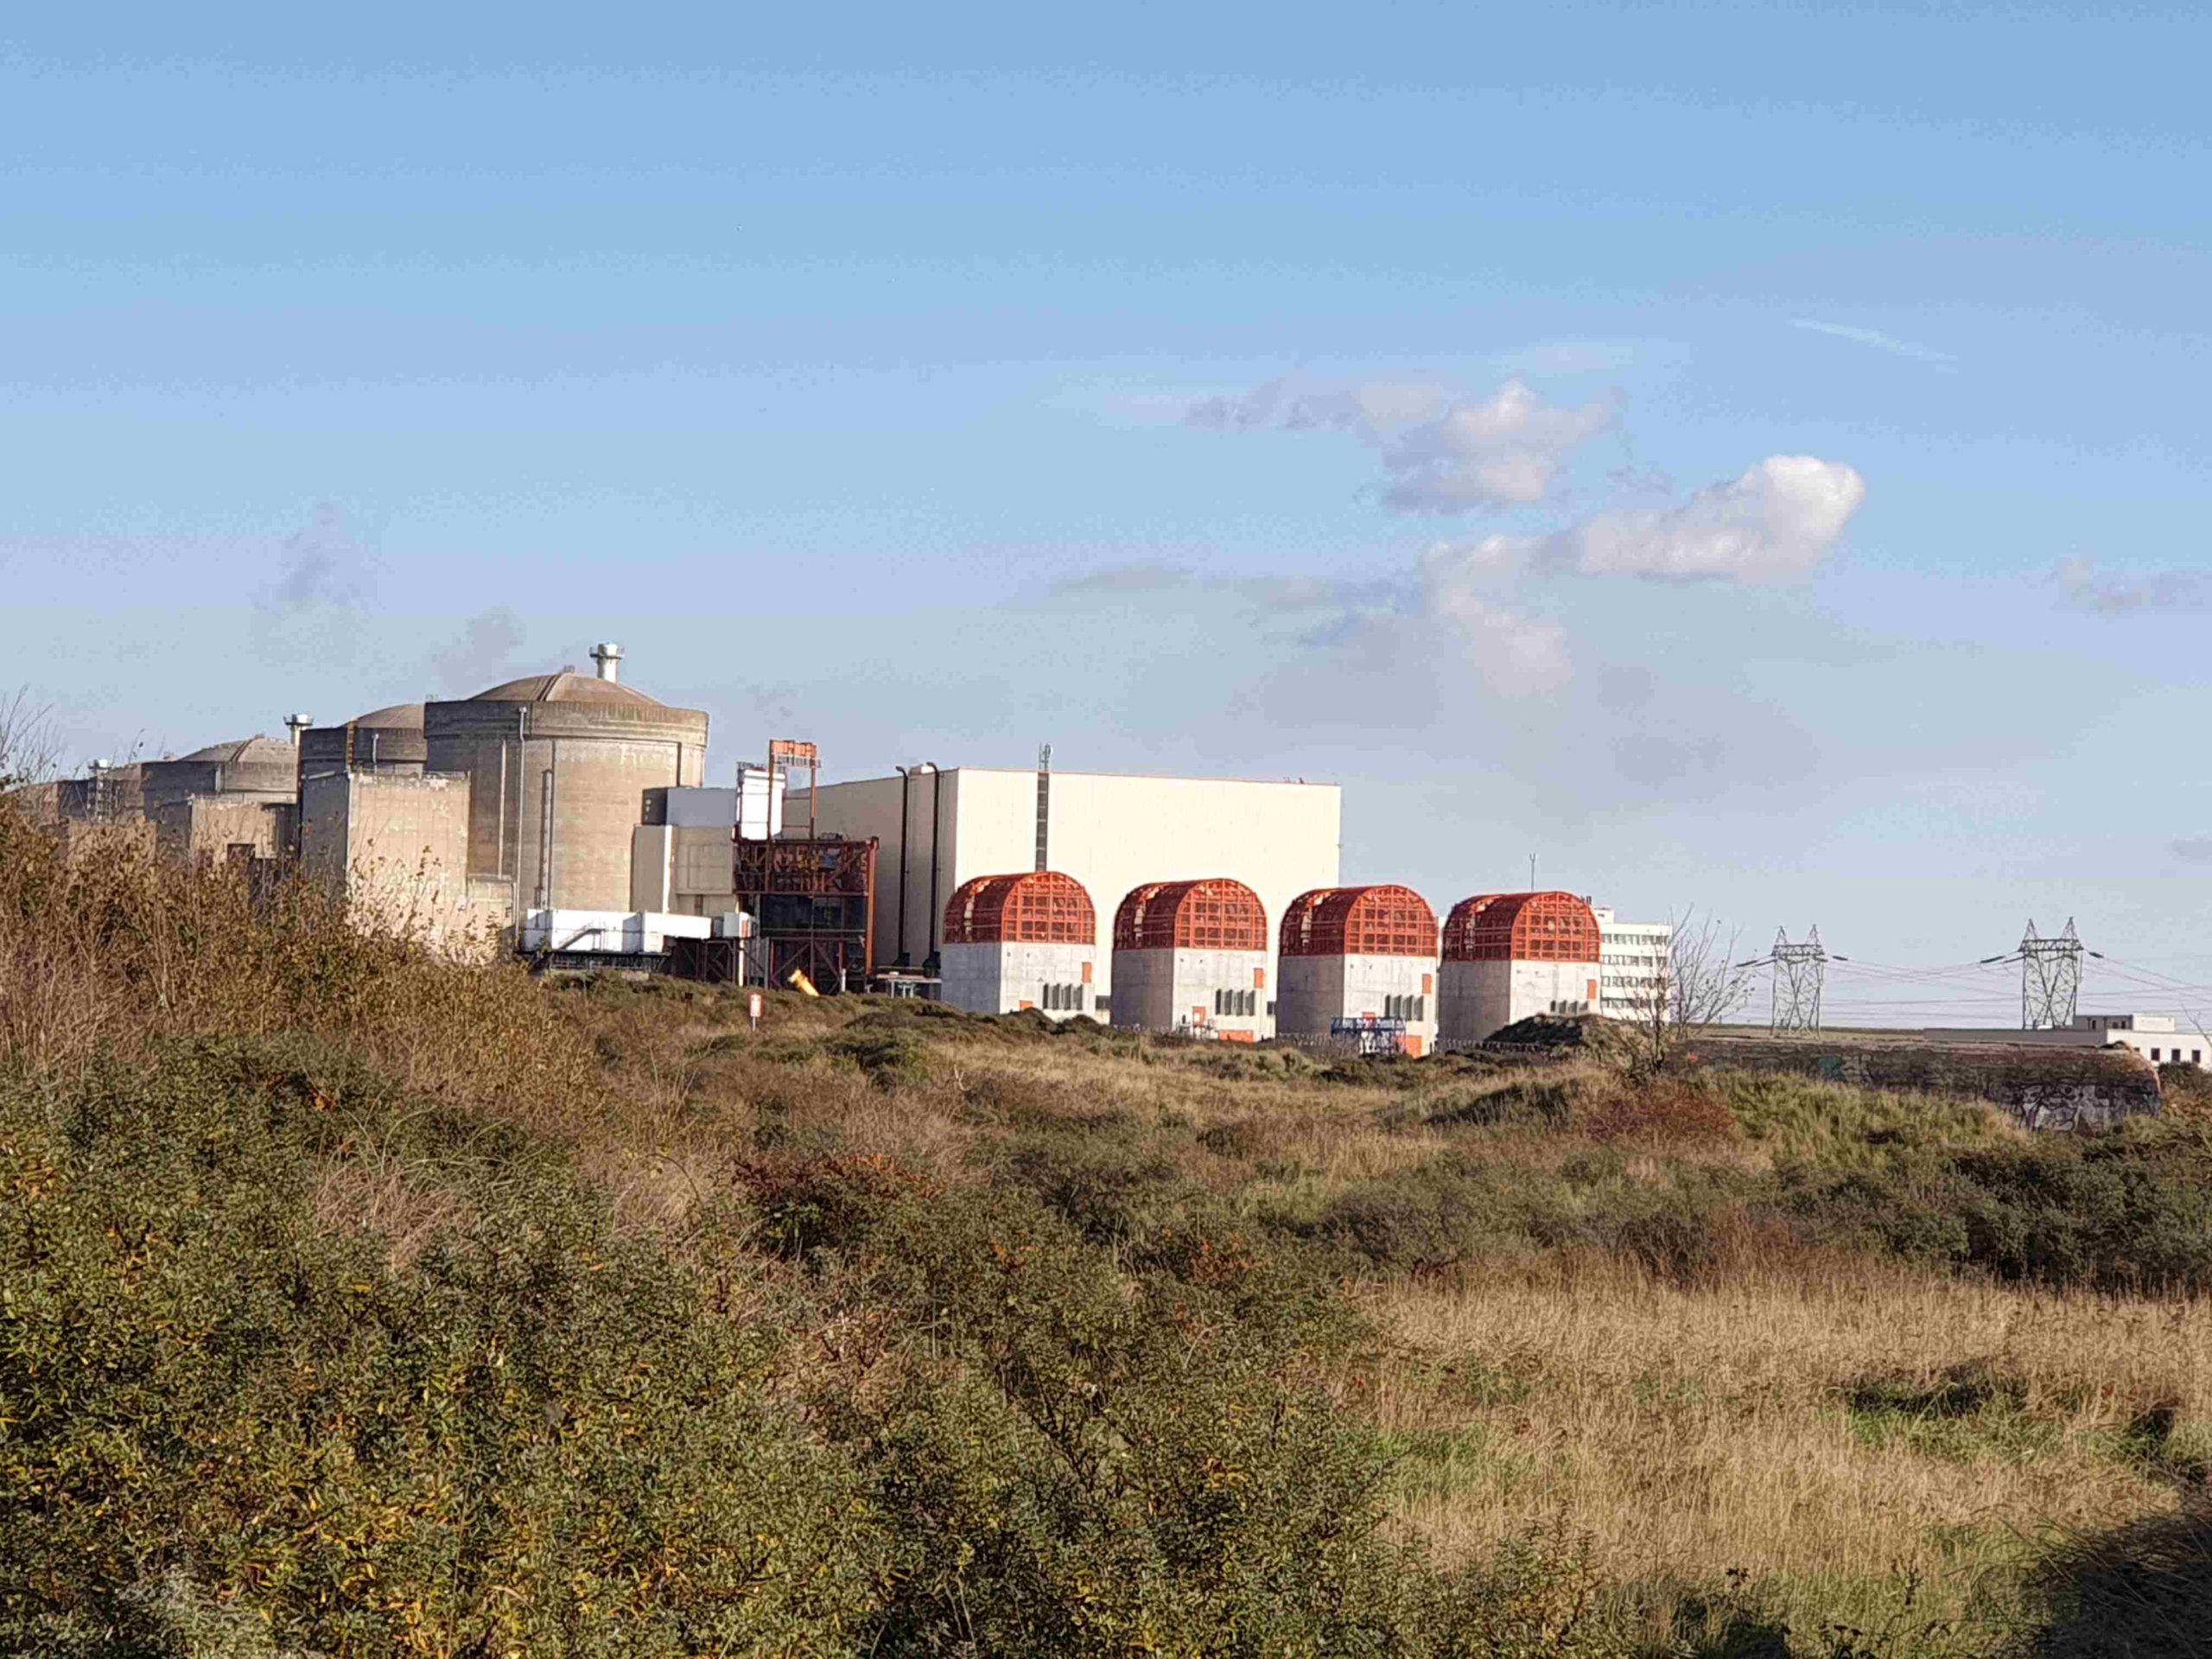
(2050, 979)
(1799, 974)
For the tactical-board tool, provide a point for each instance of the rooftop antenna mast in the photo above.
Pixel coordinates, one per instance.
(1043, 804)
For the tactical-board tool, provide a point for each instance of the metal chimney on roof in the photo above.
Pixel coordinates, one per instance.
(608, 655)
(297, 726)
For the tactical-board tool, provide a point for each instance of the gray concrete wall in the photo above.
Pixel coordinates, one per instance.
(1004, 978)
(2042, 1088)
(208, 826)
(1164, 990)
(394, 845)
(1318, 990)
(1477, 999)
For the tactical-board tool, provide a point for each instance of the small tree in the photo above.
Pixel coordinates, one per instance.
(27, 746)
(1699, 985)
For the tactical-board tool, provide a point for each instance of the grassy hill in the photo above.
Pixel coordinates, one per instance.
(350, 1303)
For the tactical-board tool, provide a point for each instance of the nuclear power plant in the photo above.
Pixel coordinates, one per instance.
(566, 817)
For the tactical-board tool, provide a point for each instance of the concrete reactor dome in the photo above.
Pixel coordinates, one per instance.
(1216, 914)
(384, 740)
(559, 765)
(245, 769)
(568, 686)
(1384, 920)
(239, 751)
(1522, 927)
(1035, 907)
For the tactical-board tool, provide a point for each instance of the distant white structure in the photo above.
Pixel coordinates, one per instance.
(2158, 1037)
(1632, 964)
(681, 858)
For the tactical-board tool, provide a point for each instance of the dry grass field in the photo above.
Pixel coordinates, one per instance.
(352, 1303)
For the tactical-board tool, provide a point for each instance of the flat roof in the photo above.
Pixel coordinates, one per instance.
(1143, 776)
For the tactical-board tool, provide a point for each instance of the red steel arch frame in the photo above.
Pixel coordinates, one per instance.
(1379, 920)
(1522, 927)
(1219, 913)
(1032, 907)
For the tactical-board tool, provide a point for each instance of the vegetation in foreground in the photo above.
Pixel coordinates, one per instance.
(350, 1303)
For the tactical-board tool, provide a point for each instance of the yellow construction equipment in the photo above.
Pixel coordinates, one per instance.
(803, 983)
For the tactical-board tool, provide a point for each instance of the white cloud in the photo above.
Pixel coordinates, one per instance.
(1371, 408)
(1442, 456)
(1774, 524)
(1878, 339)
(1492, 557)
(1505, 451)
(1125, 579)
(2126, 596)
(1513, 654)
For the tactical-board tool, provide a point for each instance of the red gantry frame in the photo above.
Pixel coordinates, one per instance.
(1384, 921)
(1035, 907)
(1522, 927)
(1215, 914)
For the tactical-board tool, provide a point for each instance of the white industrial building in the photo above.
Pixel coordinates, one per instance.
(1108, 832)
(1634, 964)
(680, 855)
(1192, 956)
(2158, 1037)
(1509, 956)
(1348, 954)
(1017, 942)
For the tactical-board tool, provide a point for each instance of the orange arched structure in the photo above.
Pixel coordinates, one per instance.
(1384, 921)
(1522, 927)
(1215, 914)
(1035, 907)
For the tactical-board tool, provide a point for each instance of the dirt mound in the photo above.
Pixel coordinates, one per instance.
(1587, 1031)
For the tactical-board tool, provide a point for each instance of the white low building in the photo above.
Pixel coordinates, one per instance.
(1633, 963)
(1509, 956)
(1192, 956)
(2158, 1037)
(1358, 954)
(1025, 941)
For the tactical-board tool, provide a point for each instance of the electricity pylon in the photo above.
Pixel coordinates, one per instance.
(1799, 974)
(2050, 979)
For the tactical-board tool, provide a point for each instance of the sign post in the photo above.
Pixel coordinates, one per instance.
(752, 1009)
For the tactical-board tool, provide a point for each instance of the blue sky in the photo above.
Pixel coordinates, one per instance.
(1752, 456)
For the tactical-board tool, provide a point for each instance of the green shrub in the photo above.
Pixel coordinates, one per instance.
(1094, 1460)
(2122, 1212)
(531, 1436)
(891, 1058)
